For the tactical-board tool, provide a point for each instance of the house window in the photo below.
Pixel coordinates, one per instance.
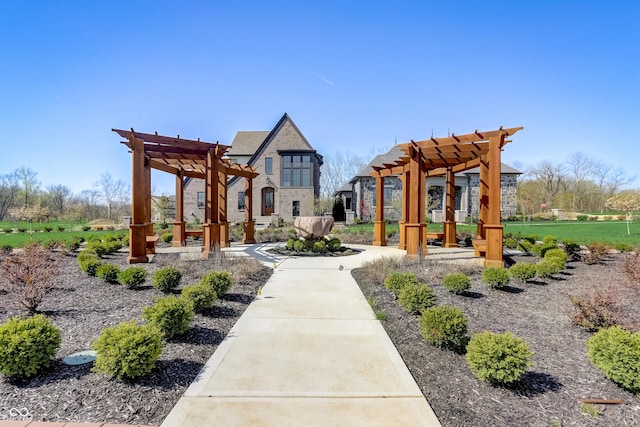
(296, 208)
(241, 202)
(200, 199)
(268, 165)
(296, 171)
(347, 203)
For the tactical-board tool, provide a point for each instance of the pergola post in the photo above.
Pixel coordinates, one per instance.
(211, 227)
(179, 238)
(222, 210)
(138, 228)
(379, 237)
(450, 239)
(483, 210)
(248, 236)
(406, 196)
(493, 229)
(416, 228)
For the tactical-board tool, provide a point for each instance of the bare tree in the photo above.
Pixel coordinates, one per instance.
(338, 168)
(89, 202)
(9, 188)
(581, 168)
(111, 191)
(29, 183)
(57, 198)
(552, 178)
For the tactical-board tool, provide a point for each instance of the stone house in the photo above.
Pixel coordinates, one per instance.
(288, 182)
(360, 193)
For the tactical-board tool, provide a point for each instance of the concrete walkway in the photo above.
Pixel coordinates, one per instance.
(307, 352)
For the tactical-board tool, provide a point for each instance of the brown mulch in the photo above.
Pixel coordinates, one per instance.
(539, 312)
(81, 306)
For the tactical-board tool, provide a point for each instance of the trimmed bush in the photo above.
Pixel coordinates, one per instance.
(334, 244)
(320, 247)
(525, 246)
(495, 277)
(397, 280)
(498, 358)
(219, 281)
(27, 345)
(291, 243)
(167, 279)
(298, 245)
(200, 295)
(167, 237)
(522, 271)
(416, 297)
(458, 283)
(127, 351)
(132, 277)
(98, 247)
(108, 273)
(570, 247)
(511, 243)
(444, 326)
(91, 265)
(616, 352)
(547, 267)
(557, 254)
(170, 314)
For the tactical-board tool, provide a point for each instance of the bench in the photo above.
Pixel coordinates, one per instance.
(480, 245)
(151, 243)
(435, 235)
(196, 234)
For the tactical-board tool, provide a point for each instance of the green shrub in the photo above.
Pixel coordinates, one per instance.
(334, 244)
(72, 244)
(170, 314)
(22, 230)
(458, 283)
(299, 245)
(200, 295)
(219, 281)
(48, 229)
(5, 249)
(570, 247)
(133, 277)
(547, 267)
(525, 246)
(98, 247)
(540, 249)
(167, 237)
(163, 225)
(416, 297)
(582, 217)
(61, 228)
(85, 256)
(531, 238)
(511, 243)
(113, 246)
(495, 277)
(397, 280)
(444, 326)
(320, 247)
(498, 358)
(167, 279)
(291, 243)
(623, 247)
(549, 240)
(90, 266)
(616, 352)
(557, 254)
(8, 230)
(522, 271)
(108, 273)
(27, 345)
(127, 351)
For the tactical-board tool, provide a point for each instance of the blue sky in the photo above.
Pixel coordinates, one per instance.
(352, 75)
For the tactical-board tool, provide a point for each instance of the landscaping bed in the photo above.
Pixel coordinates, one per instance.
(81, 306)
(540, 312)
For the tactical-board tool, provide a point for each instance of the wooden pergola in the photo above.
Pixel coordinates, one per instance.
(183, 158)
(446, 157)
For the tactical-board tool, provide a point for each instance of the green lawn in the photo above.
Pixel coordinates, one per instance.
(71, 228)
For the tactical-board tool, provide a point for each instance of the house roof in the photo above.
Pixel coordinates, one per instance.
(247, 142)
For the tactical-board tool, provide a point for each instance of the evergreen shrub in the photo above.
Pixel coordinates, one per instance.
(291, 243)
(616, 352)
(458, 283)
(498, 358)
(108, 273)
(511, 243)
(547, 267)
(444, 326)
(320, 247)
(133, 277)
(201, 295)
(167, 237)
(416, 297)
(27, 345)
(170, 314)
(334, 244)
(298, 245)
(557, 254)
(525, 246)
(397, 280)
(219, 281)
(522, 271)
(127, 351)
(167, 279)
(495, 277)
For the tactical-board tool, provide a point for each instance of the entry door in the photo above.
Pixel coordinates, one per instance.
(267, 201)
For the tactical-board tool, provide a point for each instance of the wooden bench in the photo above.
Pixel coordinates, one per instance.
(193, 233)
(435, 235)
(480, 245)
(151, 243)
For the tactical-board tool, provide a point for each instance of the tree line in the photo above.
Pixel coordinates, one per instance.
(22, 196)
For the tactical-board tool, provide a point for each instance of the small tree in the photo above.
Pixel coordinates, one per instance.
(29, 213)
(627, 202)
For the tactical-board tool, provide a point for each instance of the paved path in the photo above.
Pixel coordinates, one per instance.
(307, 352)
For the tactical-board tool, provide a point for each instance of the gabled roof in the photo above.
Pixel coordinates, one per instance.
(246, 142)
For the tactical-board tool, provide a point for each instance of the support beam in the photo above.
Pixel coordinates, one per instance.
(406, 197)
(211, 227)
(483, 212)
(379, 236)
(137, 229)
(179, 237)
(450, 239)
(249, 224)
(416, 227)
(493, 228)
(222, 209)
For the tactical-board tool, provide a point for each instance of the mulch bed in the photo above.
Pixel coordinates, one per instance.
(81, 306)
(540, 313)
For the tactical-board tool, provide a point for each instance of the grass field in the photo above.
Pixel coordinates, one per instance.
(20, 239)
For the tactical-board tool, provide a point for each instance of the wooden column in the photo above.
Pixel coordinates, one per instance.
(211, 227)
(137, 229)
(222, 210)
(493, 229)
(483, 210)
(249, 224)
(450, 239)
(179, 238)
(148, 202)
(406, 197)
(379, 236)
(416, 227)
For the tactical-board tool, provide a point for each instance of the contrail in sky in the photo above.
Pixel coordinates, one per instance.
(323, 79)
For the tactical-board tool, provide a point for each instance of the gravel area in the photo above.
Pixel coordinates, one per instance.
(81, 306)
(540, 312)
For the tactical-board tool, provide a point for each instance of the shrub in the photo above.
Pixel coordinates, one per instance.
(61, 228)
(166, 279)
(458, 283)
(98, 247)
(511, 243)
(163, 225)
(547, 267)
(623, 247)
(582, 217)
(48, 229)
(570, 247)
(27, 345)
(540, 249)
(72, 244)
(200, 295)
(170, 314)
(549, 240)
(91, 266)
(397, 280)
(22, 230)
(133, 277)
(8, 230)
(298, 245)
(531, 238)
(219, 281)
(444, 326)
(631, 267)
(291, 243)
(495, 277)
(600, 309)
(522, 271)
(557, 254)
(86, 227)
(127, 351)
(167, 237)
(416, 297)
(597, 252)
(112, 246)
(108, 273)
(498, 358)
(320, 247)
(592, 218)
(525, 246)
(5, 249)
(334, 244)
(616, 352)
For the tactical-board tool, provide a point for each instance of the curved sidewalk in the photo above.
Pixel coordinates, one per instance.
(307, 352)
